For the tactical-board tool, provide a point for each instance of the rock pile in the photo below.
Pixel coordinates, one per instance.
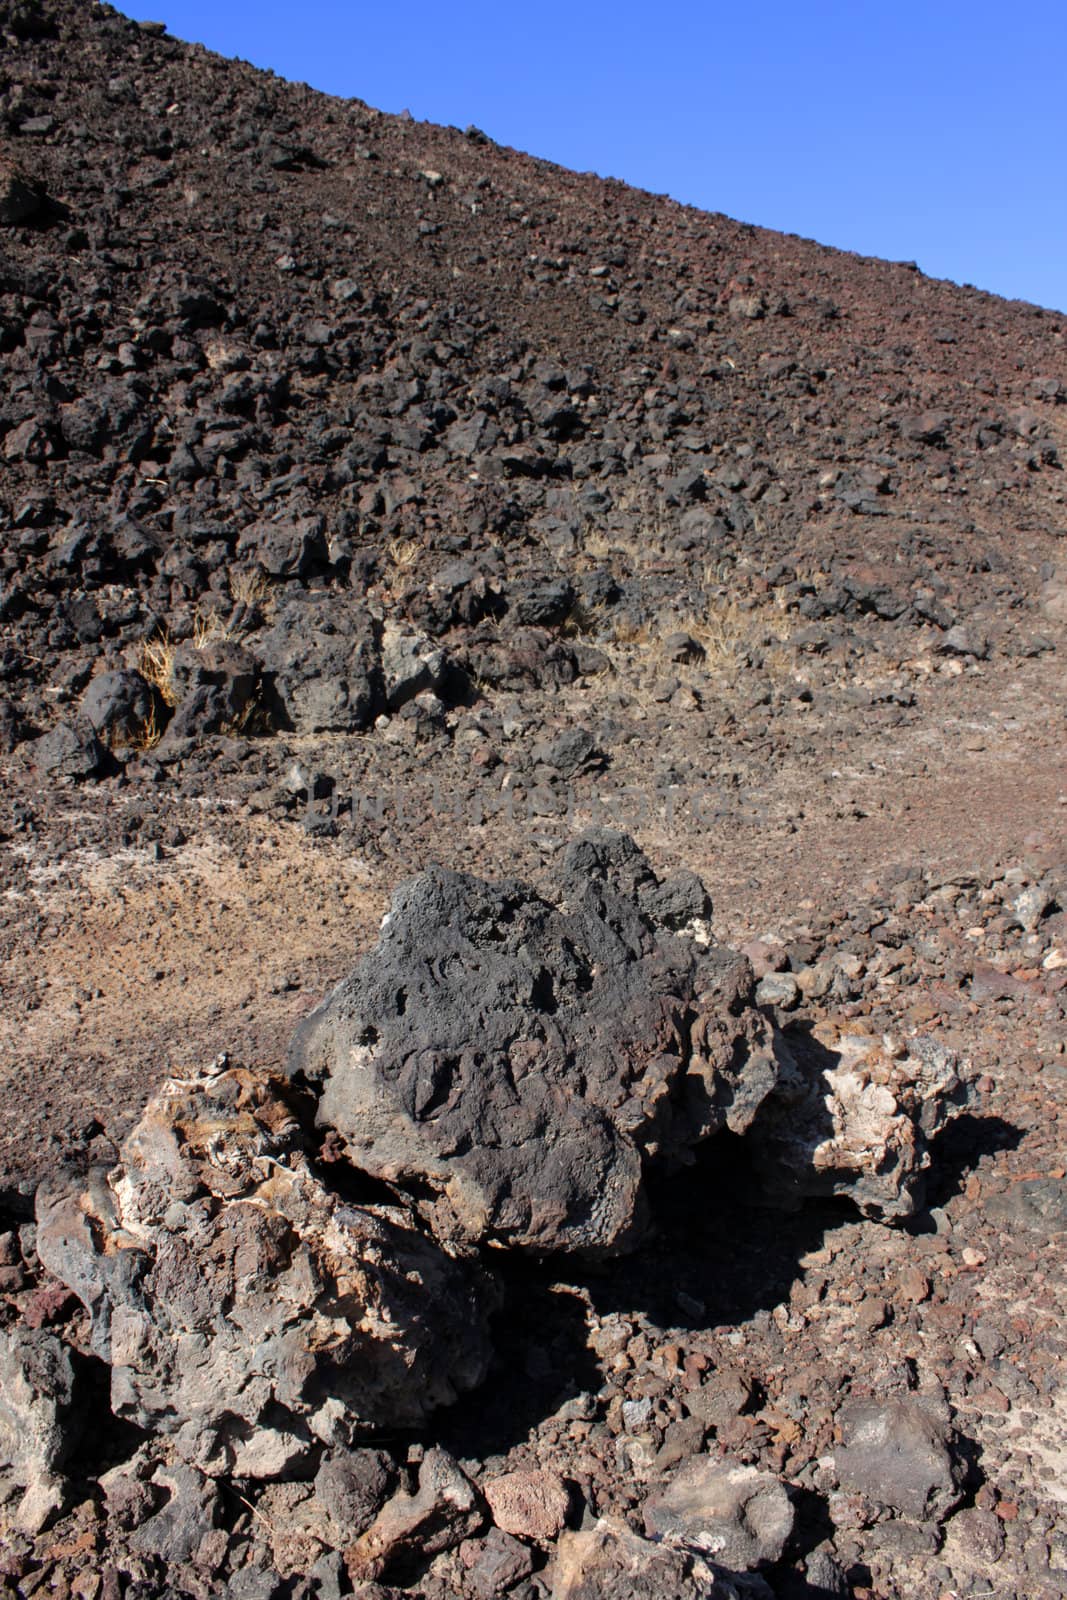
(279, 1272)
(242, 1306)
(255, 358)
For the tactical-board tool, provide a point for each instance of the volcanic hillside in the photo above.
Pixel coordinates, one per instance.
(334, 435)
(244, 323)
(376, 499)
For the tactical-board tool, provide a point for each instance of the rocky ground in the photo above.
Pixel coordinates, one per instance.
(374, 498)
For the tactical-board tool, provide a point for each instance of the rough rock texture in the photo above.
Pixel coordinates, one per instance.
(530, 1505)
(241, 1304)
(308, 1519)
(190, 1509)
(119, 707)
(898, 1453)
(68, 751)
(323, 663)
(735, 1515)
(850, 1118)
(496, 1563)
(214, 685)
(608, 1561)
(410, 664)
(37, 1430)
(442, 1510)
(516, 1058)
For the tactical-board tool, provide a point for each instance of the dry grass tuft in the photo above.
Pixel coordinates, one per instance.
(251, 589)
(209, 627)
(727, 631)
(148, 735)
(404, 553)
(156, 666)
(724, 632)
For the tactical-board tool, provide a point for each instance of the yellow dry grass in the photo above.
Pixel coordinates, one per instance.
(251, 589)
(209, 627)
(404, 553)
(148, 735)
(156, 666)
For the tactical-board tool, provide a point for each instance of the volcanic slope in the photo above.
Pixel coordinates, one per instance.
(334, 438)
(375, 496)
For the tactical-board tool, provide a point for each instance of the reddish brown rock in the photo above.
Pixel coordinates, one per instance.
(530, 1505)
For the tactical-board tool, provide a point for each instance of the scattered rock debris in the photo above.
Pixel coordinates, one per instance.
(385, 508)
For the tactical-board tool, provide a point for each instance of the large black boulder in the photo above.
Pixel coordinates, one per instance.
(513, 1061)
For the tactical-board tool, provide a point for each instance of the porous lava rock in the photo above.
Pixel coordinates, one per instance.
(244, 1307)
(323, 663)
(70, 751)
(899, 1453)
(851, 1117)
(515, 1059)
(608, 1561)
(530, 1504)
(37, 1428)
(119, 706)
(215, 684)
(441, 1510)
(734, 1514)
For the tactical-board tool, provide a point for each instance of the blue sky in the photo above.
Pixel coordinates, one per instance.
(925, 130)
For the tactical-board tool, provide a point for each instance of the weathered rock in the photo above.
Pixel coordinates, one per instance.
(778, 989)
(977, 1537)
(287, 548)
(119, 706)
(190, 1509)
(441, 1512)
(216, 685)
(243, 1307)
(496, 1563)
(610, 1562)
(32, 440)
(567, 752)
(1038, 1205)
(514, 1058)
(129, 1490)
(748, 307)
(410, 664)
(292, 1519)
(457, 594)
(69, 750)
(682, 647)
(531, 1504)
(928, 427)
(1031, 904)
(962, 640)
(544, 605)
(305, 1520)
(322, 659)
(846, 1118)
(825, 1576)
(898, 1454)
(37, 1429)
(351, 1486)
(735, 1515)
(527, 656)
